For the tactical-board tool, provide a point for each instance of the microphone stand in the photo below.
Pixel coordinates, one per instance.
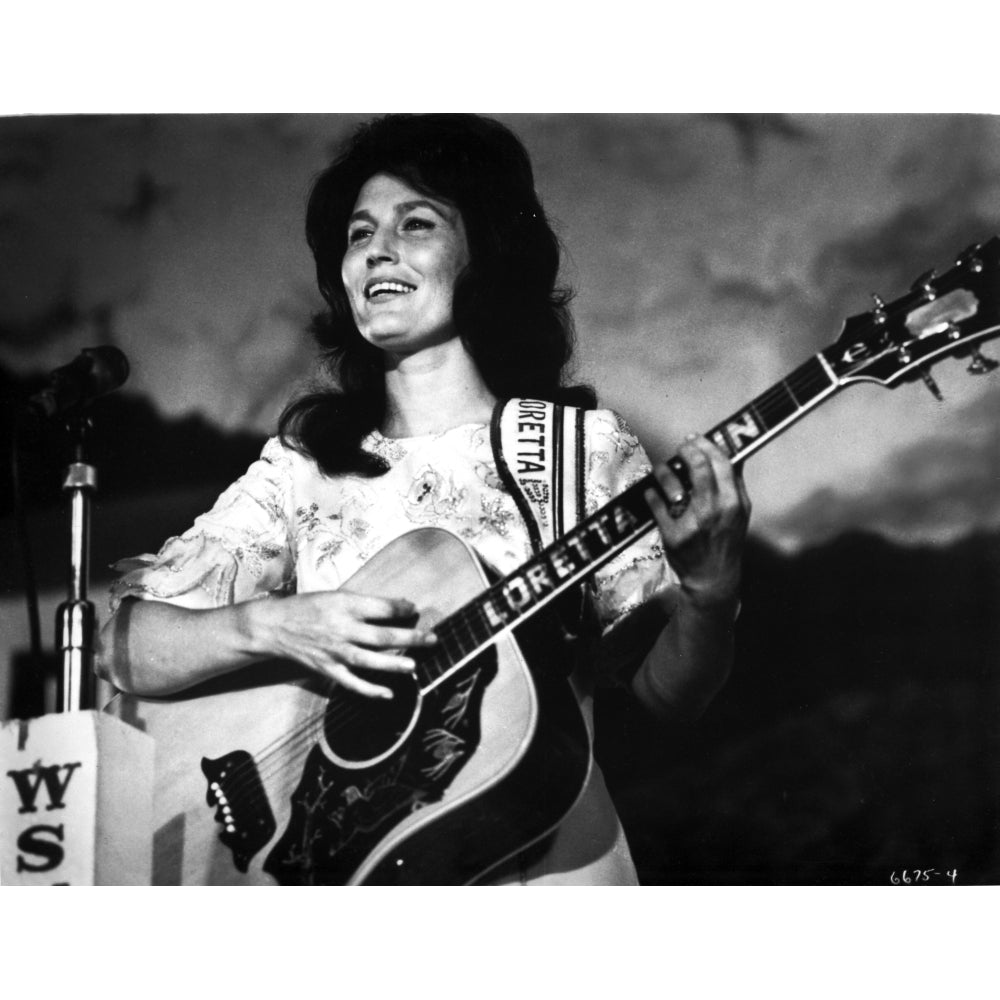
(76, 690)
(105, 834)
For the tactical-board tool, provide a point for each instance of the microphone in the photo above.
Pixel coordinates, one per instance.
(93, 373)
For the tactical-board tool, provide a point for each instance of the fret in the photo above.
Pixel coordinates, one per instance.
(451, 644)
(464, 639)
(430, 666)
(778, 405)
(773, 410)
(791, 392)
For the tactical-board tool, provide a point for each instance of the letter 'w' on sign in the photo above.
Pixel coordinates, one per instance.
(29, 781)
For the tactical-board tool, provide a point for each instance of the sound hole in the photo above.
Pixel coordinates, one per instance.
(358, 728)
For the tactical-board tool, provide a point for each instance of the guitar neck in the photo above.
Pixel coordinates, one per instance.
(766, 416)
(600, 537)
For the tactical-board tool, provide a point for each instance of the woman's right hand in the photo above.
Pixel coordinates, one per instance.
(334, 631)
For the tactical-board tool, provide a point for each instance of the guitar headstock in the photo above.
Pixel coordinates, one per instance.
(942, 316)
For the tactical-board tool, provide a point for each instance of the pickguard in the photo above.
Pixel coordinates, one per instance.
(340, 814)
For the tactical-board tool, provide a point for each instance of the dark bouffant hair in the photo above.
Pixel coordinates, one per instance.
(508, 310)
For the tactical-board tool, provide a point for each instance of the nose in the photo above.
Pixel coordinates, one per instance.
(381, 248)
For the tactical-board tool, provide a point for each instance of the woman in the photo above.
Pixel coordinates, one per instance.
(439, 269)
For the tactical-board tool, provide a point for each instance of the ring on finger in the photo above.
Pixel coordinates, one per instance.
(677, 504)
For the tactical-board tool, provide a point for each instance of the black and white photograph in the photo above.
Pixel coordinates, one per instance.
(802, 695)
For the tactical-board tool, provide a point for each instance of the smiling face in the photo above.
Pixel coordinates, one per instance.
(405, 251)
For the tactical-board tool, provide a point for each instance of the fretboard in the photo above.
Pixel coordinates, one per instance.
(771, 412)
(600, 537)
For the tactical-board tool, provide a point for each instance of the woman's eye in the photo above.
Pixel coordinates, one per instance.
(357, 235)
(417, 223)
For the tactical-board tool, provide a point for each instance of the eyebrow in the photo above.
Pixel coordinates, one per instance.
(402, 208)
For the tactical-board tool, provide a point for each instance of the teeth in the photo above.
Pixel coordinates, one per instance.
(388, 286)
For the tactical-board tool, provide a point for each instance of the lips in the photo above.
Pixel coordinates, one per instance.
(376, 288)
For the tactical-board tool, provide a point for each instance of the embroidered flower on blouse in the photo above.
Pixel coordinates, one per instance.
(431, 497)
(273, 507)
(329, 550)
(595, 495)
(623, 439)
(358, 528)
(308, 519)
(388, 450)
(425, 487)
(255, 553)
(494, 516)
(488, 476)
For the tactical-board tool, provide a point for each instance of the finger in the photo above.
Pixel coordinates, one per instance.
(658, 507)
(344, 677)
(726, 479)
(669, 513)
(386, 636)
(741, 488)
(732, 491)
(704, 486)
(357, 656)
(372, 608)
(672, 492)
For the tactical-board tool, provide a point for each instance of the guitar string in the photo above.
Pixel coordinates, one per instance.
(287, 748)
(285, 751)
(809, 379)
(450, 649)
(459, 634)
(784, 398)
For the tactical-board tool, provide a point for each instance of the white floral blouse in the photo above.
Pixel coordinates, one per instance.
(284, 527)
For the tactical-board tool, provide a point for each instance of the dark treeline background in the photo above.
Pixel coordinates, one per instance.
(859, 734)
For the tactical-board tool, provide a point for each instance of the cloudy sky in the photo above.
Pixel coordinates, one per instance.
(711, 254)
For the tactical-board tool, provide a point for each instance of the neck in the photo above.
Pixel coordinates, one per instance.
(434, 390)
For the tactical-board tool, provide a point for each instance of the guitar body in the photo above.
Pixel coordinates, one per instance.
(271, 775)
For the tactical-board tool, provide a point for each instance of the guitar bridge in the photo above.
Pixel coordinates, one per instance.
(241, 806)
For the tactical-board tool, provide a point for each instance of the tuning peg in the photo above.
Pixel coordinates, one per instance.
(924, 286)
(980, 364)
(931, 384)
(968, 258)
(879, 314)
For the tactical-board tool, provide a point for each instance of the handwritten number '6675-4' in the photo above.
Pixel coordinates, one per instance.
(916, 875)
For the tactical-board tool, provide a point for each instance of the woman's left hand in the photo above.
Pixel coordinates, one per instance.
(704, 530)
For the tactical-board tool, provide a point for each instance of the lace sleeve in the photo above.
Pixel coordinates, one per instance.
(237, 551)
(616, 460)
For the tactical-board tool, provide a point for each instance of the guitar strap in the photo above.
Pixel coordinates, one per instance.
(539, 451)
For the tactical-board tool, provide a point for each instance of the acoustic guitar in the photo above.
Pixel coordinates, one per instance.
(275, 775)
